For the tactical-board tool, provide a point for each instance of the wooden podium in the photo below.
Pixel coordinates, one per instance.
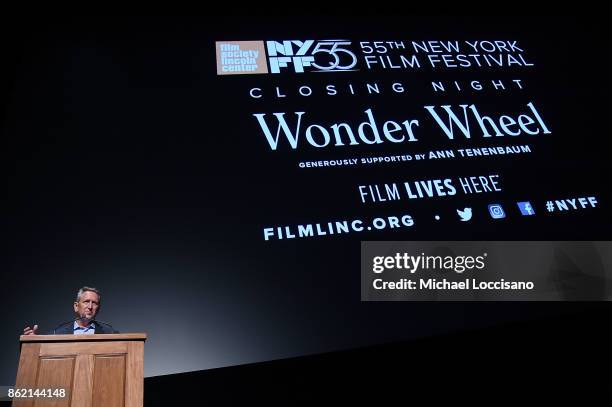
(96, 370)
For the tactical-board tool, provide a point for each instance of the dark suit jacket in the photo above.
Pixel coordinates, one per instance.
(68, 329)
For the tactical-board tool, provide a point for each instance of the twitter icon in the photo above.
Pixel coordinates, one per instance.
(465, 214)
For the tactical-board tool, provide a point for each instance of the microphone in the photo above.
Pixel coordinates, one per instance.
(95, 321)
(84, 319)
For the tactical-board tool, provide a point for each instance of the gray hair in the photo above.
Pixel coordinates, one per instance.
(85, 289)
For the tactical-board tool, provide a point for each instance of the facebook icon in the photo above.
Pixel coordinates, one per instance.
(526, 208)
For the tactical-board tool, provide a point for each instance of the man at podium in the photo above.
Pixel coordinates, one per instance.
(86, 308)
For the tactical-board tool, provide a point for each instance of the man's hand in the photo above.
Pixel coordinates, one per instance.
(30, 331)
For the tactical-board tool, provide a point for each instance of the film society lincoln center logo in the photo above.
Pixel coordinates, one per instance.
(241, 57)
(249, 57)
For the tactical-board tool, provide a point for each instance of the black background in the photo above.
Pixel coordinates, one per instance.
(131, 166)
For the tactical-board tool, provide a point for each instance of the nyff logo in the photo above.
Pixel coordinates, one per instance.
(325, 55)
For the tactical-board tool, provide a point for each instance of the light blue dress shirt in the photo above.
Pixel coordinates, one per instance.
(88, 330)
